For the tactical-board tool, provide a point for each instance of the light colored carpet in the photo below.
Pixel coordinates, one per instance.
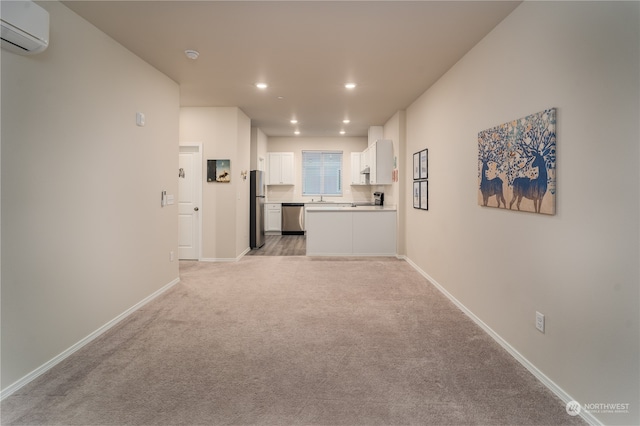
(291, 341)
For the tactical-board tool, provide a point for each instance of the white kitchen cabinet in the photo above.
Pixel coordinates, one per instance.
(281, 167)
(273, 217)
(378, 159)
(365, 161)
(374, 233)
(330, 234)
(355, 231)
(357, 178)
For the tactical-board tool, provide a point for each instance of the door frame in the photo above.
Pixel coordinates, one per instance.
(198, 189)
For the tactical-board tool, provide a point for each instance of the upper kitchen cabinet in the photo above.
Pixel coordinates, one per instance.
(281, 167)
(377, 161)
(358, 178)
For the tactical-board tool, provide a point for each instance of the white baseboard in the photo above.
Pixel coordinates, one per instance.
(68, 352)
(351, 254)
(217, 259)
(225, 259)
(553, 387)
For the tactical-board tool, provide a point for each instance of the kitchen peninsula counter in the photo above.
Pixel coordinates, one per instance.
(351, 231)
(327, 208)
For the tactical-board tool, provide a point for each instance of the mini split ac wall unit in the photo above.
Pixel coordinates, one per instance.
(25, 27)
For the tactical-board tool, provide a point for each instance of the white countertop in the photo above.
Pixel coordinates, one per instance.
(320, 203)
(329, 208)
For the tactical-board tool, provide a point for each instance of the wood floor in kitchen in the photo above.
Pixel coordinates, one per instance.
(282, 245)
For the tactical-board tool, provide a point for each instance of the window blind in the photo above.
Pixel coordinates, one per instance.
(322, 173)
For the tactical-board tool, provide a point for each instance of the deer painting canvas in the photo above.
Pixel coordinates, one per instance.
(517, 164)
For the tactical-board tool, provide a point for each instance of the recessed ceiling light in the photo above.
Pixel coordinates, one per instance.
(192, 54)
(297, 132)
(350, 86)
(261, 85)
(294, 121)
(346, 121)
(342, 132)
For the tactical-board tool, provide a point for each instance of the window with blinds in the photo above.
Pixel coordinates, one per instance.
(322, 173)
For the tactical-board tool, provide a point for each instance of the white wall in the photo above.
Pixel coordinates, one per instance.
(296, 145)
(225, 133)
(84, 237)
(579, 267)
(243, 162)
(395, 130)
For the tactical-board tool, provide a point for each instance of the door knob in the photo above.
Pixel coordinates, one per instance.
(195, 209)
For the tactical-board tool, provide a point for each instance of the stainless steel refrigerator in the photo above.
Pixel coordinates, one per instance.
(256, 213)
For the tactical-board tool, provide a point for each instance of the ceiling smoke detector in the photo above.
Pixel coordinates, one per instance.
(192, 54)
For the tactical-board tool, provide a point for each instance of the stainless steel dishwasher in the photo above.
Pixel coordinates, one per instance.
(292, 219)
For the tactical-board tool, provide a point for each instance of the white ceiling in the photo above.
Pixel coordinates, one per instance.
(304, 50)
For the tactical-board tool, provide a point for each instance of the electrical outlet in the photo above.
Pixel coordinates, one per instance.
(540, 322)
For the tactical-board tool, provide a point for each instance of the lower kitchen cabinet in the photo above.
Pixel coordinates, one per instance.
(330, 235)
(273, 217)
(342, 232)
(374, 233)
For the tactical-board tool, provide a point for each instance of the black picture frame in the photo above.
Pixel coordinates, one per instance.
(420, 182)
(424, 164)
(424, 195)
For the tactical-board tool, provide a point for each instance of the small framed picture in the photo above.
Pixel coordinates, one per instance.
(424, 164)
(424, 195)
(416, 195)
(219, 171)
(416, 166)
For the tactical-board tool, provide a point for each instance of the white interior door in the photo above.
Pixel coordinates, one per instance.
(189, 201)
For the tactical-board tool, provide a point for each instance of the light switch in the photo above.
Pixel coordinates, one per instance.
(140, 119)
(169, 199)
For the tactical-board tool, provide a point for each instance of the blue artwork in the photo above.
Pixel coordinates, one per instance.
(517, 162)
